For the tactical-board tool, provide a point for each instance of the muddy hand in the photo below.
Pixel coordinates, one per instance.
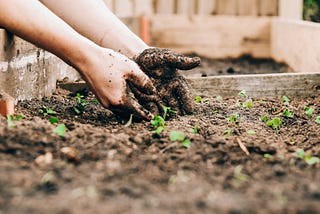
(162, 65)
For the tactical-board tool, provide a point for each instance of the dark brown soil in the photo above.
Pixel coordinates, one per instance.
(112, 168)
(237, 66)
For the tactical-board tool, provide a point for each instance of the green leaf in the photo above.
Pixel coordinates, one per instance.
(300, 153)
(186, 143)
(267, 156)
(10, 121)
(19, 117)
(234, 118)
(177, 136)
(167, 111)
(309, 111)
(60, 130)
(198, 99)
(287, 113)
(264, 118)
(219, 98)
(159, 130)
(53, 120)
(227, 132)
(76, 110)
(248, 103)
(50, 111)
(194, 130)
(312, 160)
(286, 100)
(243, 93)
(157, 121)
(318, 119)
(275, 123)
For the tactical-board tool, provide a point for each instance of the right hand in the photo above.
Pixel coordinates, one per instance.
(109, 74)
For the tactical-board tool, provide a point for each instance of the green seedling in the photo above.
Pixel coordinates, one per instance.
(243, 93)
(275, 123)
(158, 124)
(287, 113)
(12, 118)
(47, 111)
(167, 111)
(227, 132)
(239, 176)
(180, 136)
(95, 101)
(251, 132)
(234, 118)
(194, 130)
(264, 118)
(53, 120)
(309, 111)
(198, 99)
(219, 98)
(81, 104)
(318, 119)
(285, 100)
(60, 130)
(300, 153)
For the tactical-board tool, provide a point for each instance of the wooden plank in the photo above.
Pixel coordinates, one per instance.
(123, 8)
(187, 7)
(206, 7)
(227, 7)
(143, 7)
(268, 7)
(291, 9)
(213, 36)
(248, 7)
(165, 6)
(258, 86)
(297, 43)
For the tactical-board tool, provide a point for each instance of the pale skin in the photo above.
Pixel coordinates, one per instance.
(88, 36)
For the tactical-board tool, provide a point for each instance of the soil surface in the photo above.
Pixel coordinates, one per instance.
(102, 165)
(237, 66)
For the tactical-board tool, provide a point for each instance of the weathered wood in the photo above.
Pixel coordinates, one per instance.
(227, 7)
(268, 7)
(291, 9)
(185, 7)
(123, 8)
(165, 6)
(296, 43)
(248, 7)
(213, 36)
(258, 86)
(206, 7)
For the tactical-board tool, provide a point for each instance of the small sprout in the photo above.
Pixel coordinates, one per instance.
(267, 156)
(194, 130)
(285, 100)
(53, 120)
(47, 111)
(234, 118)
(60, 130)
(264, 118)
(12, 118)
(81, 104)
(251, 132)
(309, 111)
(159, 129)
(198, 99)
(157, 121)
(287, 113)
(318, 119)
(216, 111)
(167, 111)
(248, 103)
(310, 160)
(275, 123)
(95, 101)
(180, 136)
(243, 93)
(227, 132)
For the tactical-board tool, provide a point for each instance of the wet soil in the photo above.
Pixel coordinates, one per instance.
(104, 166)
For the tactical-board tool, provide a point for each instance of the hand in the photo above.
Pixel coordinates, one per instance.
(109, 74)
(161, 66)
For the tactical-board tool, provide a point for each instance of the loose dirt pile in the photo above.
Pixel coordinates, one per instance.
(235, 163)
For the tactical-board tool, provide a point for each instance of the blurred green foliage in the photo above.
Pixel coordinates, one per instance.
(311, 10)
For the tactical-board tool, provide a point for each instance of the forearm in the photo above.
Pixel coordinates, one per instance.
(96, 22)
(35, 23)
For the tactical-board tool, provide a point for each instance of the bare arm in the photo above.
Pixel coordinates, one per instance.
(96, 22)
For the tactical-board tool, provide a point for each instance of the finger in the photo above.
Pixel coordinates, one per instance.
(155, 57)
(141, 81)
(183, 95)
